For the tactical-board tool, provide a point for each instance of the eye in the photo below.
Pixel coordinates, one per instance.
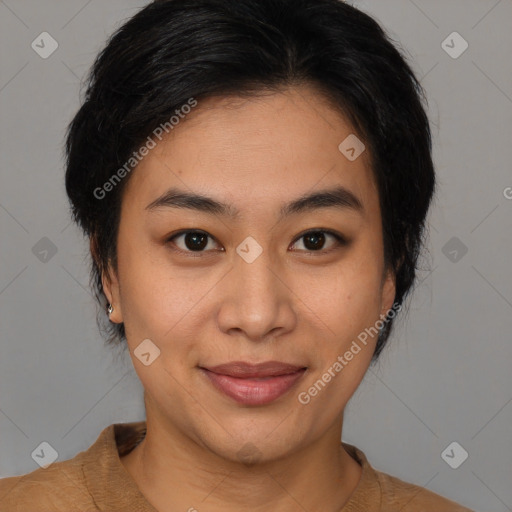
(314, 241)
(191, 241)
(196, 241)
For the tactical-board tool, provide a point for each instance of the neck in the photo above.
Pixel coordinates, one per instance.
(174, 472)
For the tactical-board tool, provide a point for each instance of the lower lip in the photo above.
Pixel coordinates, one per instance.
(253, 391)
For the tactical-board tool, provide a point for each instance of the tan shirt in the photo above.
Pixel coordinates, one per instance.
(95, 479)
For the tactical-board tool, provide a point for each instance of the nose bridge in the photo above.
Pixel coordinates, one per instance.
(257, 279)
(253, 265)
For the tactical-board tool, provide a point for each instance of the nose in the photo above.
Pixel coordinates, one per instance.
(258, 301)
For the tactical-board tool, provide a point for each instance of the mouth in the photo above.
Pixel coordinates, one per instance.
(254, 384)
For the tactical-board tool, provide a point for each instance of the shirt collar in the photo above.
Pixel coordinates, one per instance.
(110, 485)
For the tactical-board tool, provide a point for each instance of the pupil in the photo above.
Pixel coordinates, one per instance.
(196, 241)
(317, 240)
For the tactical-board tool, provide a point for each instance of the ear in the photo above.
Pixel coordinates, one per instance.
(110, 283)
(388, 291)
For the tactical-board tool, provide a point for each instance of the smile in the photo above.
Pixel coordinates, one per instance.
(254, 384)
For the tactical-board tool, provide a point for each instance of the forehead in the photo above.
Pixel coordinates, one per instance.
(253, 151)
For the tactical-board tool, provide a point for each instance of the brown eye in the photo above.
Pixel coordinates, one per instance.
(315, 241)
(191, 241)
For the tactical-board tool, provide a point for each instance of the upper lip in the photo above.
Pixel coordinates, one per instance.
(245, 370)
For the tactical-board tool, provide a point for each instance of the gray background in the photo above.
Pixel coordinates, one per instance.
(445, 375)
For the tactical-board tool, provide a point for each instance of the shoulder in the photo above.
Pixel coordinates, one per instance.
(398, 495)
(58, 487)
(63, 485)
(380, 492)
(92, 479)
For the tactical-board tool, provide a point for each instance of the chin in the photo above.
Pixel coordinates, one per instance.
(245, 443)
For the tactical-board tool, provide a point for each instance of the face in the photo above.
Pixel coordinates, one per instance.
(264, 278)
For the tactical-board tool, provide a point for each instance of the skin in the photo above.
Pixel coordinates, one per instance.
(288, 305)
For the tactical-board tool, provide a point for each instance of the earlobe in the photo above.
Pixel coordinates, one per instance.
(111, 291)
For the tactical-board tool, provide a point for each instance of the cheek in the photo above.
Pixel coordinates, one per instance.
(163, 303)
(152, 297)
(350, 298)
(350, 306)
(350, 310)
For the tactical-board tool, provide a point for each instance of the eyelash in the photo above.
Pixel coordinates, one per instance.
(341, 241)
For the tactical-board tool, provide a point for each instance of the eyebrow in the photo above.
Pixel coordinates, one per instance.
(337, 197)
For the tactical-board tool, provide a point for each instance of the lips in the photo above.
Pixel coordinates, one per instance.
(254, 384)
(243, 370)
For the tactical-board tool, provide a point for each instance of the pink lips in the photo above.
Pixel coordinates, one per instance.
(254, 384)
